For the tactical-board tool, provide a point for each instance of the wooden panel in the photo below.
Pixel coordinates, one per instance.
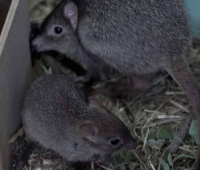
(15, 68)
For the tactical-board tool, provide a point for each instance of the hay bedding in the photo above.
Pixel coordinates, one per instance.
(152, 117)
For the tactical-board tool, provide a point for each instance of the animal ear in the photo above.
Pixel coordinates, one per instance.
(71, 13)
(89, 130)
(93, 102)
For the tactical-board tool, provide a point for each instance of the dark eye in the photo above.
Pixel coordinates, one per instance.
(58, 30)
(114, 142)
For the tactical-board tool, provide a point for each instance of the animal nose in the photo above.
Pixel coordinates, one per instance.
(131, 144)
(34, 47)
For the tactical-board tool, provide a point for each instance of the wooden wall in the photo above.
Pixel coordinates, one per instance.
(15, 68)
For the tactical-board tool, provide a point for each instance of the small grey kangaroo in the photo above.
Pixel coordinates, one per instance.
(132, 36)
(56, 114)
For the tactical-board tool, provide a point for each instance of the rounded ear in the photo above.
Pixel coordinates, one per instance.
(71, 13)
(89, 130)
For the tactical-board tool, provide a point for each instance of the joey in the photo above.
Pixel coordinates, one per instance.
(56, 114)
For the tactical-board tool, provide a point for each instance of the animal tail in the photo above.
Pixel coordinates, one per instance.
(179, 69)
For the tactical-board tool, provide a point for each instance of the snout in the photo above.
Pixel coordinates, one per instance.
(35, 39)
(35, 45)
(131, 144)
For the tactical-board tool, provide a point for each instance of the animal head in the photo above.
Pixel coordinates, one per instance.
(104, 131)
(57, 32)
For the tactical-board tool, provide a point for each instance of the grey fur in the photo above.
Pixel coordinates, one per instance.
(132, 36)
(55, 107)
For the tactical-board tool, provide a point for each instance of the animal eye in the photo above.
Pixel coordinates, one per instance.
(58, 30)
(114, 142)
